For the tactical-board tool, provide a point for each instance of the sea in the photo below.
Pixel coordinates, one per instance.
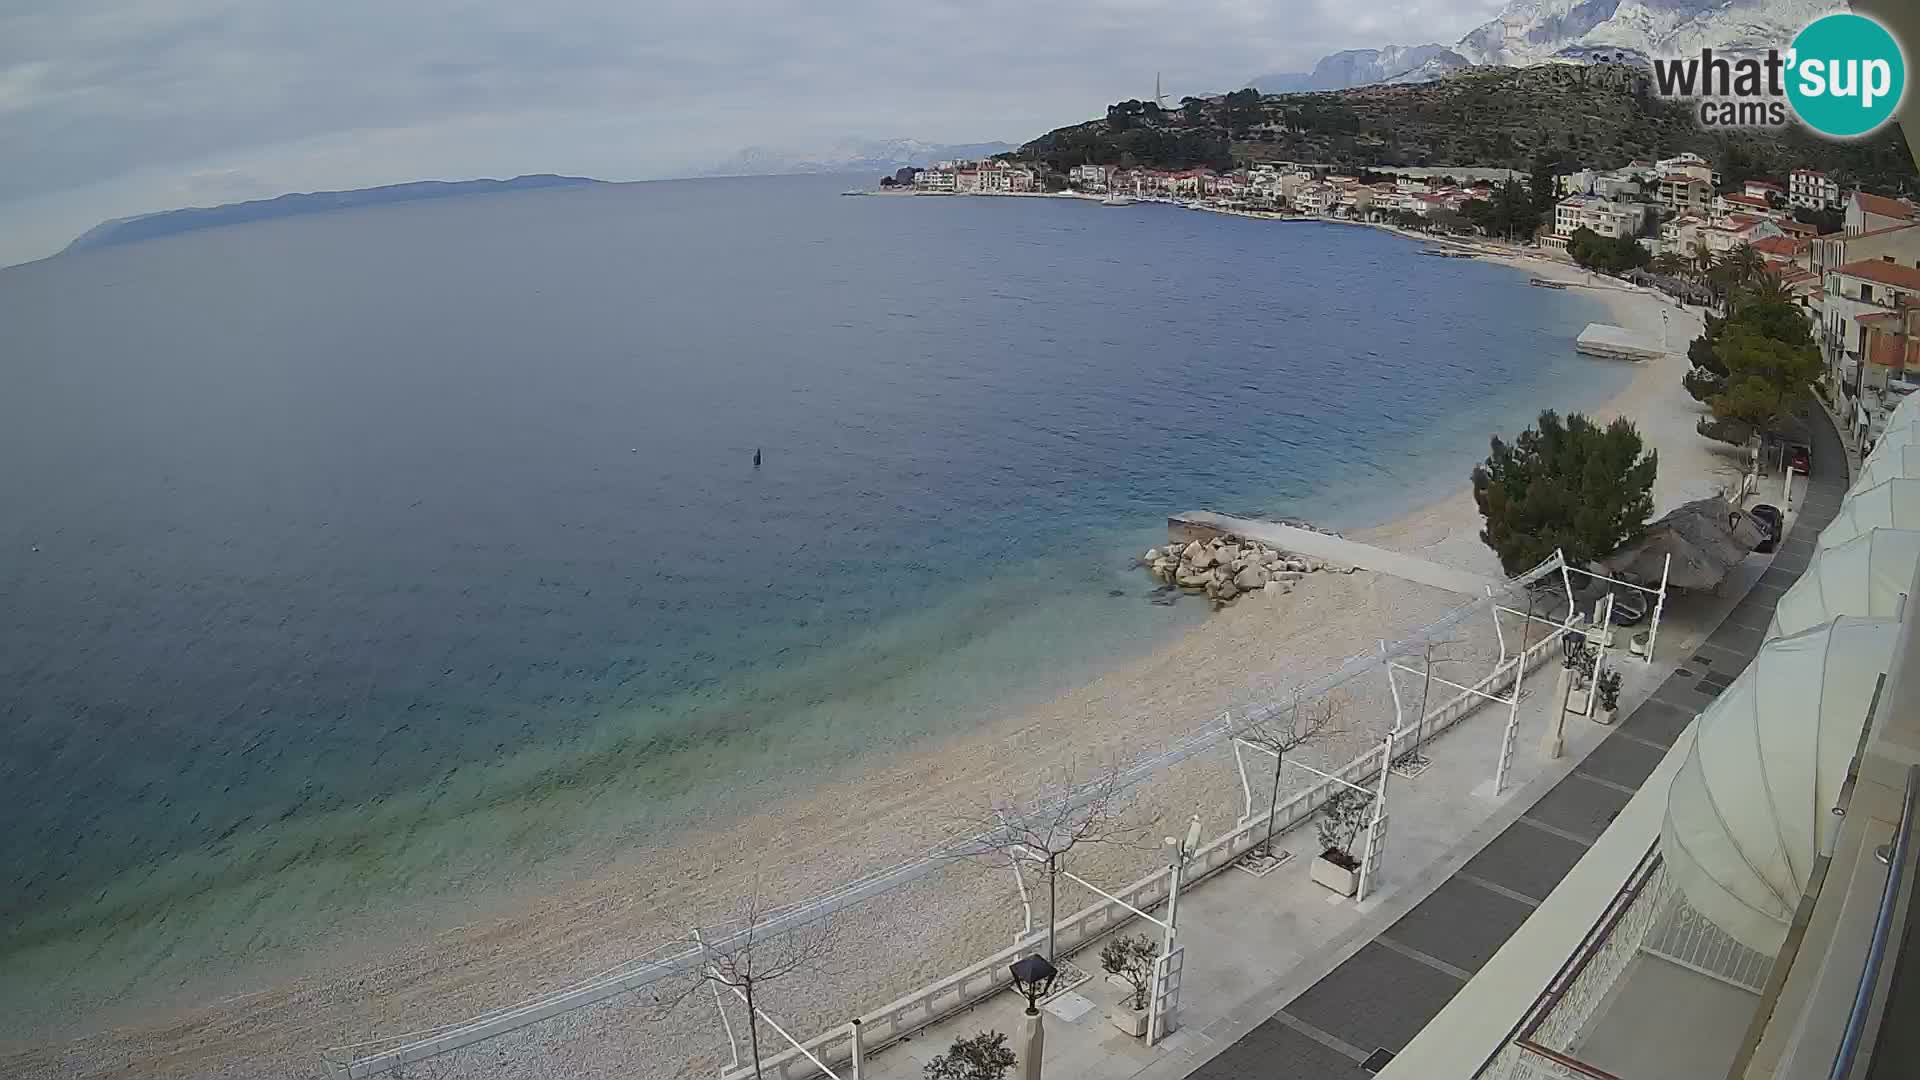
(390, 554)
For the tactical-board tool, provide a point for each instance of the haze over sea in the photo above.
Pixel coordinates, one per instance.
(407, 553)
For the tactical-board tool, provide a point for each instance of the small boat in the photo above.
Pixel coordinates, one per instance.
(856, 191)
(1117, 200)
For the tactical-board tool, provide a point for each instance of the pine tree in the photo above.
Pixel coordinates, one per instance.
(1573, 486)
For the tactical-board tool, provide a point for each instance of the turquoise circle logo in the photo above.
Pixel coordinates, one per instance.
(1847, 75)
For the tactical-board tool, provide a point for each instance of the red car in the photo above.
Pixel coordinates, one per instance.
(1800, 460)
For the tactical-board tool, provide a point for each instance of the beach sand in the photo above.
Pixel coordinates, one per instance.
(877, 812)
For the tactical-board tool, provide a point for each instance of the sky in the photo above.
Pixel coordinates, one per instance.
(116, 107)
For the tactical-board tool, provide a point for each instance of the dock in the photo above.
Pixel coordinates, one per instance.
(1617, 343)
(1205, 525)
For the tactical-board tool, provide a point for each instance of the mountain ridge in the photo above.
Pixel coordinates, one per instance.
(1530, 32)
(849, 156)
(129, 230)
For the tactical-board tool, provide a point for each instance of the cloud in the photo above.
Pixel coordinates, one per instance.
(111, 107)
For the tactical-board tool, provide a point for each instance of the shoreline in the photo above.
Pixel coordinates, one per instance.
(896, 804)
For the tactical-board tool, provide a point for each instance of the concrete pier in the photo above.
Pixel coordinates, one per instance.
(1206, 525)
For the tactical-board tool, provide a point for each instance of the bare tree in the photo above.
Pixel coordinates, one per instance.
(1281, 731)
(1060, 816)
(764, 952)
(1426, 687)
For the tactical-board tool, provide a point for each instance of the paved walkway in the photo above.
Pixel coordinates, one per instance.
(1339, 549)
(1348, 1025)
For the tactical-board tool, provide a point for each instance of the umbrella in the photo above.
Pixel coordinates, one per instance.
(1705, 538)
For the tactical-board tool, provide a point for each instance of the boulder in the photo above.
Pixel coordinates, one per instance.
(1195, 579)
(1152, 555)
(1274, 588)
(1191, 551)
(1226, 591)
(1199, 560)
(1251, 577)
(1287, 575)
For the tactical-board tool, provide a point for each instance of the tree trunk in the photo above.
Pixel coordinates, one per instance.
(1273, 806)
(1052, 875)
(753, 1030)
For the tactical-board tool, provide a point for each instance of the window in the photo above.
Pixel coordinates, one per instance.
(1866, 293)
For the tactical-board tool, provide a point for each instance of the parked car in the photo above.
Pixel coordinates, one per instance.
(1800, 459)
(1629, 607)
(1768, 516)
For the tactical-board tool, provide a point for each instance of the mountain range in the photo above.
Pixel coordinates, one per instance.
(850, 156)
(167, 222)
(1569, 31)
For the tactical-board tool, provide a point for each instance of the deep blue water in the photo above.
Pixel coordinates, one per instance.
(330, 547)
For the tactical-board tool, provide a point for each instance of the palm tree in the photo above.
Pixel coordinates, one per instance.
(1767, 287)
(1743, 263)
(1670, 263)
(1703, 257)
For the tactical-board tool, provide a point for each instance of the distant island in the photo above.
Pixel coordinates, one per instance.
(168, 222)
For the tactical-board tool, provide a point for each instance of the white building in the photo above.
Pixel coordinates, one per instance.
(1614, 219)
(1812, 190)
(1089, 177)
(1867, 212)
(934, 180)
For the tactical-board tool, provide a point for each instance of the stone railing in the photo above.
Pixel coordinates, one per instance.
(942, 998)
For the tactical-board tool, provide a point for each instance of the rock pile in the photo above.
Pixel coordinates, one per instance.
(1226, 568)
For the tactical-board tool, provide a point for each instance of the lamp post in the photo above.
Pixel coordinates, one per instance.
(1032, 976)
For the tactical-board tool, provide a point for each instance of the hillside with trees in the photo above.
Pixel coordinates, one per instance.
(1563, 115)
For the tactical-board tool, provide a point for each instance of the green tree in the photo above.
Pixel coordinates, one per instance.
(1743, 264)
(1571, 486)
(982, 1056)
(1766, 377)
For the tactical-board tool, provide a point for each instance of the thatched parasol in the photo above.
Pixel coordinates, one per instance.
(1706, 538)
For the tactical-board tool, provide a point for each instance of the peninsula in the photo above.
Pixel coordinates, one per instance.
(167, 222)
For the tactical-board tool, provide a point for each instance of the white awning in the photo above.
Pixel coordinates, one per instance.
(1867, 575)
(1749, 809)
(1900, 462)
(1890, 504)
(1888, 445)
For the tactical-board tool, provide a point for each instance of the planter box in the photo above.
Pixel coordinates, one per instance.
(1127, 1019)
(1338, 878)
(1577, 702)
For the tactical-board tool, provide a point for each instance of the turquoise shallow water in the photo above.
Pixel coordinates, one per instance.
(390, 552)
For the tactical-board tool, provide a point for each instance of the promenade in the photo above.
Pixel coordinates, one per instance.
(1287, 980)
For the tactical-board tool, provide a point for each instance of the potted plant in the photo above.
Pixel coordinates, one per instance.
(1342, 817)
(1579, 662)
(982, 1056)
(1131, 958)
(1607, 686)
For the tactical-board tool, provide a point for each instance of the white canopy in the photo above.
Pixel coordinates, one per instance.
(1891, 441)
(1749, 807)
(1890, 504)
(1900, 462)
(1867, 575)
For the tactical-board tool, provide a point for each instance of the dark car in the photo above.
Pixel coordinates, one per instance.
(1629, 607)
(1800, 460)
(1768, 516)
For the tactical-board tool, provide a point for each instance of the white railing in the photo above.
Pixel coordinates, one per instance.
(1683, 936)
(942, 998)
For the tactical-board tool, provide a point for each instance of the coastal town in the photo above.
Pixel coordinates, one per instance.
(1850, 259)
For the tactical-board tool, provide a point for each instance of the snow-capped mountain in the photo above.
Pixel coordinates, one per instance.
(1536, 31)
(849, 156)
(1578, 31)
(1358, 67)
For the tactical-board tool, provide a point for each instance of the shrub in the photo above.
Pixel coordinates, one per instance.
(982, 1056)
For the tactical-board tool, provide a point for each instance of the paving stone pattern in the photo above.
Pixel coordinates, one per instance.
(1385, 993)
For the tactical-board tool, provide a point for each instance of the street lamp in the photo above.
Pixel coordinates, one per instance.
(1032, 976)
